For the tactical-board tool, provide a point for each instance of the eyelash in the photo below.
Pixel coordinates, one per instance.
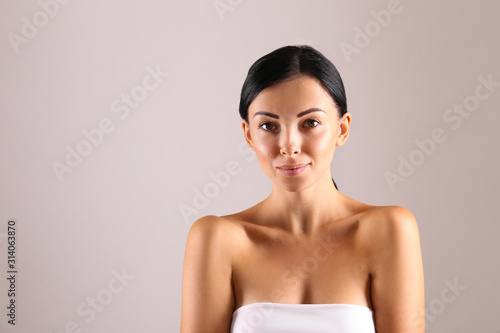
(267, 123)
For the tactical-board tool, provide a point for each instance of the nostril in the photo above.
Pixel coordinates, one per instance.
(290, 152)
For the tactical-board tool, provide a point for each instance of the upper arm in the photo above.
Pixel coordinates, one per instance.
(397, 287)
(207, 292)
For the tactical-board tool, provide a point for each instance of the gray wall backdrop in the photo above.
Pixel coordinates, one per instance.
(115, 115)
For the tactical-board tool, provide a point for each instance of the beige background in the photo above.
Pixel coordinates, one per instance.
(119, 210)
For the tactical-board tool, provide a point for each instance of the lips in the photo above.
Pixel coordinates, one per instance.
(293, 169)
(292, 166)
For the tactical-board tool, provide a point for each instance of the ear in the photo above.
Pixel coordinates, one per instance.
(345, 127)
(246, 132)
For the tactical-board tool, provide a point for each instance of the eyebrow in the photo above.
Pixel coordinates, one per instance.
(301, 114)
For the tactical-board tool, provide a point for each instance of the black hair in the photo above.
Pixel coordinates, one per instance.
(288, 63)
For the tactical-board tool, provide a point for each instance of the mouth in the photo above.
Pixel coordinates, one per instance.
(293, 169)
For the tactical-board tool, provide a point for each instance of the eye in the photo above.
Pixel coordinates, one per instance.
(267, 126)
(311, 123)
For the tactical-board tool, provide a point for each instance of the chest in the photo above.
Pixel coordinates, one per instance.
(328, 269)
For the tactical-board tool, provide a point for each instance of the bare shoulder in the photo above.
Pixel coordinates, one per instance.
(388, 221)
(215, 232)
(387, 228)
(395, 266)
(209, 225)
(207, 293)
(212, 230)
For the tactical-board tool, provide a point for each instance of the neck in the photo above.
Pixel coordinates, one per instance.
(304, 211)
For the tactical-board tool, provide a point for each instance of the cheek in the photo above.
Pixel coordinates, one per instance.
(321, 145)
(265, 148)
(265, 155)
(318, 145)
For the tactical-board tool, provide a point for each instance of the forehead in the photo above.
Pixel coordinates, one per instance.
(292, 97)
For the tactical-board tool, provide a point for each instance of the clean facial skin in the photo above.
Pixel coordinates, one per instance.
(292, 124)
(361, 254)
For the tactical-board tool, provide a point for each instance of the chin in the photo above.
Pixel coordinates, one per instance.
(294, 184)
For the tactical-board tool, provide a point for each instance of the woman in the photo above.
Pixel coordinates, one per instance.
(307, 258)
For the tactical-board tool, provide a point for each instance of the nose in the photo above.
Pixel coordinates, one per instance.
(290, 144)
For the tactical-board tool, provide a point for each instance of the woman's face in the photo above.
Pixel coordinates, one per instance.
(294, 127)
